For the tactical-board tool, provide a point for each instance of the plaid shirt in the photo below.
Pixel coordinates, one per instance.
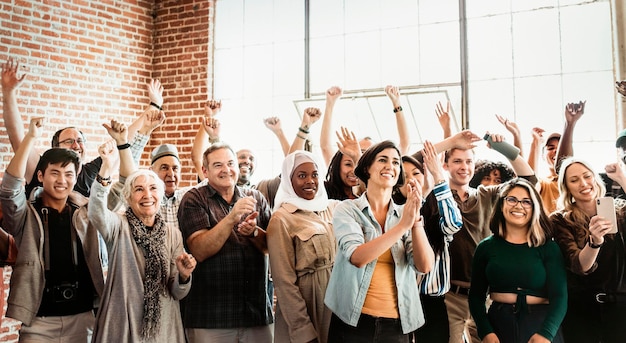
(229, 289)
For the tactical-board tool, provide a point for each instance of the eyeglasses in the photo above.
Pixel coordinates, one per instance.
(71, 141)
(513, 201)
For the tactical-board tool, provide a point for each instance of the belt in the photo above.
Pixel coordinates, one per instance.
(608, 298)
(456, 289)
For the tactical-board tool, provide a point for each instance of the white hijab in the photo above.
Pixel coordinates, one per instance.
(286, 194)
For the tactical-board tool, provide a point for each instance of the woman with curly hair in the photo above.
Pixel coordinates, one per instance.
(489, 173)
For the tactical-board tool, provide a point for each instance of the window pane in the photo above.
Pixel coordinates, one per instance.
(586, 47)
(326, 18)
(228, 73)
(439, 53)
(438, 11)
(398, 13)
(363, 69)
(486, 8)
(257, 75)
(256, 16)
(538, 103)
(288, 24)
(487, 60)
(400, 56)
(327, 63)
(229, 23)
(288, 72)
(526, 5)
(536, 43)
(486, 98)
(361, 15)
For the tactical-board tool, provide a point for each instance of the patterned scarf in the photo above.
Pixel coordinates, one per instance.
(152, 241)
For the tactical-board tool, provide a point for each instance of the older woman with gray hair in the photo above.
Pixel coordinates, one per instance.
(149, 272)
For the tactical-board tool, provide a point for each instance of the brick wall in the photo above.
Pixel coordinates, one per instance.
(183, 47)
(89, 60)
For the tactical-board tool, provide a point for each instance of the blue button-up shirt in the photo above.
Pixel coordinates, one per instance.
(354, 224)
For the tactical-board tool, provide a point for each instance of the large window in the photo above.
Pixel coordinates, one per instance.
(525, 60)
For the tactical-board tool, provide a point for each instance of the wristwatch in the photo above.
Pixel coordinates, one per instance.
(105, 181)
(592, 245)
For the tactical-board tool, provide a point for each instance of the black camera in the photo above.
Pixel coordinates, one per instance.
(65, 292)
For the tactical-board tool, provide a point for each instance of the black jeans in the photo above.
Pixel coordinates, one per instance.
(368, 329)
(588, 321)
(513, 327)
(437, 328)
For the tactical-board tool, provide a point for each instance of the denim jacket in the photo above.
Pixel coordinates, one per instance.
(354, 224)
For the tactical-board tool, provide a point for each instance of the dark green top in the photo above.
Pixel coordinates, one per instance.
(503, 267)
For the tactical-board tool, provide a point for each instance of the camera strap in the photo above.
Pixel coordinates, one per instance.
(46, 243)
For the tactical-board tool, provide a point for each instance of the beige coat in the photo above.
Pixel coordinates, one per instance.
(302, 252)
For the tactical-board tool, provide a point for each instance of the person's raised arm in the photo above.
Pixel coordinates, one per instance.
(535, 148)
(208, 133)
(17, 166)
(10, 113)
(450, 220)
(403, 131)
(273, 124)
(464, 140)
(310, 116)
(103, 219)
(514, 130)
(443, 116)
(573, 112)
(119, 133)
(349, 145)
(614, 172)
(155, 93)
(326, 144)
(520, 166)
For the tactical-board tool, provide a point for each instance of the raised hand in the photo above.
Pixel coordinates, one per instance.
(273, 124)
(211, 127)
(153, 119)
(573, 111)
(155, 92)
(108, 152)
(443, 116)
(212, 107)
(333, 93)
(117, 131)
(538, 137)
(348, 144)
(10, 80)
(394, 95)
(310, 116)
(432, 162)
(614, 172)
(35, 128)
(466, 140)
(509, 125)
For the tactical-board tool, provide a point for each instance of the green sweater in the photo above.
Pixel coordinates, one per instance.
(503, 267)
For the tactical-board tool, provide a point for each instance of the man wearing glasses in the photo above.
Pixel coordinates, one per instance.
(70, 137)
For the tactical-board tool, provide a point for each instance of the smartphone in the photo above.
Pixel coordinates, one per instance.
(606, 209)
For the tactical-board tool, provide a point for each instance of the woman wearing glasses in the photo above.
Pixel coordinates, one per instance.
(522, 270)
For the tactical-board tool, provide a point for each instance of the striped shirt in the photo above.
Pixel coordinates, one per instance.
(442, 219)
